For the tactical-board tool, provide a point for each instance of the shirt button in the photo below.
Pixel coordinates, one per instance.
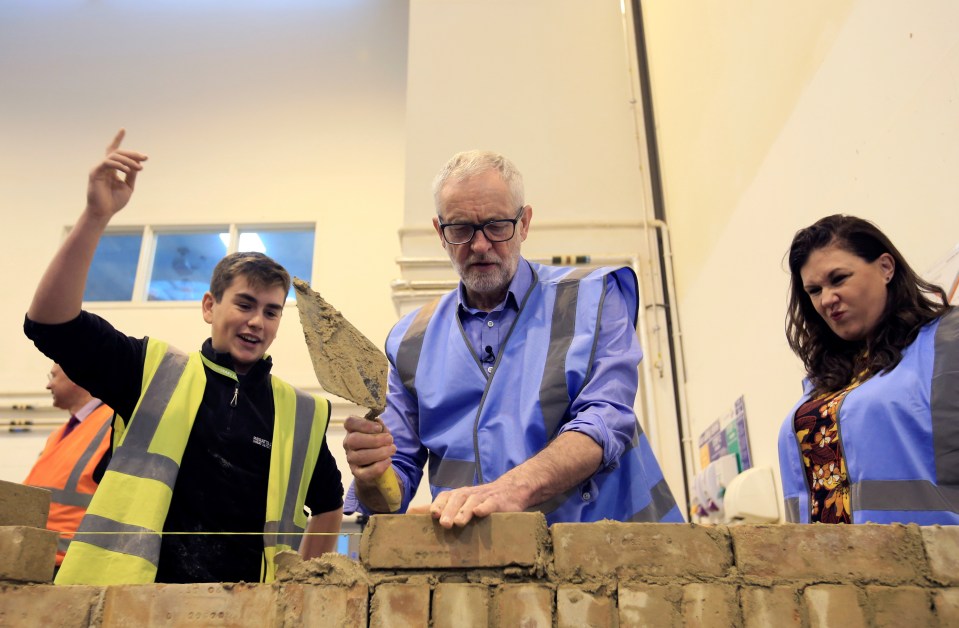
(586, 496)
(489, 323)
(489, 369)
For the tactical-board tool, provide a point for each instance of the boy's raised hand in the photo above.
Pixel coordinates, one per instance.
(112, 180)
(59, 295)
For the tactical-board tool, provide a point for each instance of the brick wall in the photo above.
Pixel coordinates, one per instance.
(510, 570)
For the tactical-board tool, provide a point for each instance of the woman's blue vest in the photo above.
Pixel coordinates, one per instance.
(900, 435)
(478, 426)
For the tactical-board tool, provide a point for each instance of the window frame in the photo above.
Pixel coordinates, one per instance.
(145, 262)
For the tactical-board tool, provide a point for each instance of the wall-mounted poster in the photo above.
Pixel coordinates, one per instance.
(727, 435)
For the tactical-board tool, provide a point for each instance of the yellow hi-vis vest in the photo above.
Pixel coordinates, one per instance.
(119, 539)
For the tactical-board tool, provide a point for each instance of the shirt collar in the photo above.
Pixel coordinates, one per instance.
(518, 287)
(87, 408)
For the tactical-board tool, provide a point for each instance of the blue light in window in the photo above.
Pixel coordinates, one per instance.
(292, 249)
(183, 264)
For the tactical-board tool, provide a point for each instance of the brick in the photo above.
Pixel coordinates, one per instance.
(396, 605)
(527, 605)
(942, 551)
(500, 540)
(770, 606)
(22, 505)
(460, 606)
(27, 554)
(833, 605)
(817, 553)
(891, 604)
(649, 605)
(191, 604)
(303, 604)
(600, 550)
(710, 605)
(578, 608)
(946, 603)
(47, 605)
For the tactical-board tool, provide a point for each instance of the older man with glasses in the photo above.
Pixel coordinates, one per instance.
(517, 388)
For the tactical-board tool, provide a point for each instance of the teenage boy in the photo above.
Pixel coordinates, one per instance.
(213, 457)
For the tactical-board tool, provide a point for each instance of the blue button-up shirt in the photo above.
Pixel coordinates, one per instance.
(603, 410)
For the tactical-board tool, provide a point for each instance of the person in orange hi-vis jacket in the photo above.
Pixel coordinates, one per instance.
(74, 458)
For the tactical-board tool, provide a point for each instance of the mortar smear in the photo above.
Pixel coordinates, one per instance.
(346, 363)
(332, 568)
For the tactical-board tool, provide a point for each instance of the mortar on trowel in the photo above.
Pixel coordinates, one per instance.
(347, 365)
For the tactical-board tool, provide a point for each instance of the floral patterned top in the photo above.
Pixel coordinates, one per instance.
(817, 430)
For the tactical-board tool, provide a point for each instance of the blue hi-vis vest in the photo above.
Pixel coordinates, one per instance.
(478, 426)
(119, 539)
(900, 435)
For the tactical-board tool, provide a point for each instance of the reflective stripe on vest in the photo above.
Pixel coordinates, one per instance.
(68, 494)
(299, 429)
(146, 463)
(134, 470)
(66, 467)
(924, 495)
(792, 510)
(554, 397)
(465, 410)
(137, 460)
(273, 532)
(554, 394)
(904, 495)
(944, 400)
(662, 503)
(408, 354)
(923, 487)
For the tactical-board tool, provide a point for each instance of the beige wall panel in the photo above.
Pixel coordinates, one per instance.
(848, 107)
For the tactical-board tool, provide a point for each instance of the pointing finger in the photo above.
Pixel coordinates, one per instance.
(115, 144)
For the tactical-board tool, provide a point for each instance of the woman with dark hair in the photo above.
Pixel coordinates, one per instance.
(875, 437)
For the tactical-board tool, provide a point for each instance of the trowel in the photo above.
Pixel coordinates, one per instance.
(347, 365)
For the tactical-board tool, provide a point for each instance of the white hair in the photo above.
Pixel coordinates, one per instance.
(473, 162)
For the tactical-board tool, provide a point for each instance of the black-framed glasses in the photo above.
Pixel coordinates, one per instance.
(494, 230)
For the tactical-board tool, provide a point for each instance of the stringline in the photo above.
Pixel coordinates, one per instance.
(64, 533)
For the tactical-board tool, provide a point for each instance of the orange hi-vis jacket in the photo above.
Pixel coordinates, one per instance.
(65, 467)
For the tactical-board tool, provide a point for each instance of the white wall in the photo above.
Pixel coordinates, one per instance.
(550, 84)
(545, 82)
(250, 112)
(771, 115)
(289, 111)
(306, 111)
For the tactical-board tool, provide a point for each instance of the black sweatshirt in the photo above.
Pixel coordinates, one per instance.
(224, 474)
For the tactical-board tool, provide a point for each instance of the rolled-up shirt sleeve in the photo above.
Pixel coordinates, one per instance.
(603, 410)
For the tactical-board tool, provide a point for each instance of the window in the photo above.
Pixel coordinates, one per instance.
(178, 263)
(114, 269)
(293, 249)
(183, 265)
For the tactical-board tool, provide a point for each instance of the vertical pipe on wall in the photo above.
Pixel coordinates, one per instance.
(677, 369)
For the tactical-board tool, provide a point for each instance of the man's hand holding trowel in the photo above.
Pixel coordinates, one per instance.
(369, 450)
(348, 365)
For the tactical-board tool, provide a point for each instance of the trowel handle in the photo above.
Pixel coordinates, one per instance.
(389, 487)
(387, 484)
